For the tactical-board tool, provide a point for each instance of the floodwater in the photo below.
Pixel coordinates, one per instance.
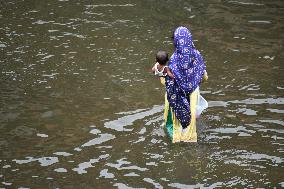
(79, 108)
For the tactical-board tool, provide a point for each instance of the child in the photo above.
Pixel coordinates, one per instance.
(161, 69)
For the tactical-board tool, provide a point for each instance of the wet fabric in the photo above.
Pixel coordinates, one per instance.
(173, 125)
(188, 68)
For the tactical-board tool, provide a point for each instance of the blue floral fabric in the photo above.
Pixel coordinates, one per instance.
(188, 67)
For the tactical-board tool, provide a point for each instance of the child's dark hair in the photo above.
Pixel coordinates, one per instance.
(162, 57)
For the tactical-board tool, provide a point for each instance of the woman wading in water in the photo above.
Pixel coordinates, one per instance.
(182, 92)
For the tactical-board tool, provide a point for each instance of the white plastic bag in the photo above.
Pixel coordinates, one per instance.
(202, 104)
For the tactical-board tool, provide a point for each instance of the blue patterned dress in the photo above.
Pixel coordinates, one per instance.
(188, 68)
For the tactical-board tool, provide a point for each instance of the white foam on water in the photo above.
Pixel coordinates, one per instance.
(121, 122)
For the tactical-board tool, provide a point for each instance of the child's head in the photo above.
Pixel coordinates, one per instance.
(162, 57)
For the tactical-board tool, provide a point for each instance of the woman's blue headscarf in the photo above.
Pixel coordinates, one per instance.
(188, 67)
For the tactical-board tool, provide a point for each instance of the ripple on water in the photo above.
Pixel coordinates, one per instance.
(254, 101)
(23, 131)
(69, 32)
(246, 111)
(110, 5)
(251, 160)
(105, 174)
(276, 111)
(240, 130)
(65, 154)
(44, 161)
(40, 22)
(42, 135)
(61, 170)
(121, 122)
(140, 139)
(132, 174)
(278, 131)
(249, 101)
(7, 183)
(125, 165)
(278, 122)
(246, 3)
(154, 120)
(101, 139)
(250, 87)
(74, 35)
(154, 183)
(124, 186)
(181, 186)
(81, 169)
(272, 160)
(2, 45)
(95, 131)
(260, 21)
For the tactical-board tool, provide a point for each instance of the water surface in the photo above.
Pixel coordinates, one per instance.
(79, 108)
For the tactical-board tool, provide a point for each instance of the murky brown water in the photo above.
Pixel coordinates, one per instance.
(80, 110)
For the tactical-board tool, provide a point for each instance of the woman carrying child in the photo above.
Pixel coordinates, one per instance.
(182, 92)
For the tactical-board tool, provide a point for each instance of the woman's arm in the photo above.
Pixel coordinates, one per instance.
(170, 74)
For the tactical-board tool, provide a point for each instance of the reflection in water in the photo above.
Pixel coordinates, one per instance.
(44, 161)
(121, 162)
(151, 181)
(79, 108)
(101, 139)
(105, 174)
(65, 154)
(83, 166)
(61, 170)
(250, 101)
(120, 123)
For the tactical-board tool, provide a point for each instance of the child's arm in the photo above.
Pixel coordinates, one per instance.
(154, 67)
(170, 74)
